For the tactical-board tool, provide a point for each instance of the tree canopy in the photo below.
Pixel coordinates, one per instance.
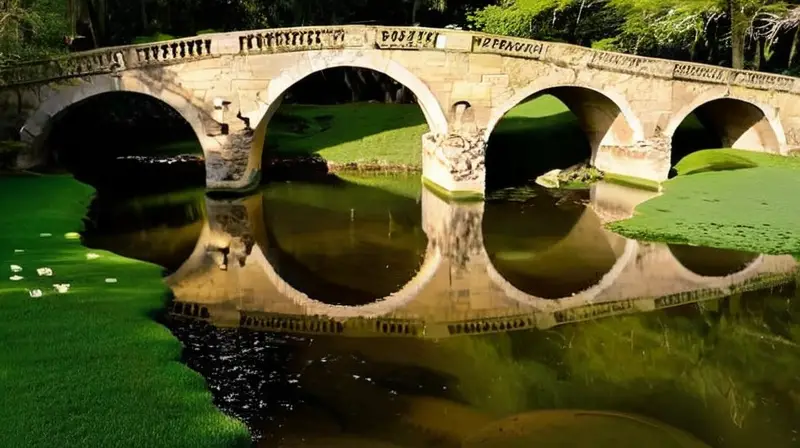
(757, 34)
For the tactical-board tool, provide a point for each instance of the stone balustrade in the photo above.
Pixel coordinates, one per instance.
(371, 37)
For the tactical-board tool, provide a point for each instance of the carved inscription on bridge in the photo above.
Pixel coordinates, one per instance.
(508, 46)
(621, 63)
(701, 73)
(292, 40)
(763, 81)
(405, 38)
(594, 311)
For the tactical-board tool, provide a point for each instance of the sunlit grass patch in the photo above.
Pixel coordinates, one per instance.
(90, 366)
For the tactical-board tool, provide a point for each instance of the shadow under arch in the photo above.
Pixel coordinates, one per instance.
(38, 126)
(711, 265)
(279, 86)
(737, 123)
(575, 261)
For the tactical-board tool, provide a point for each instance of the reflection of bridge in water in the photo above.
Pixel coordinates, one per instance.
(466, 284)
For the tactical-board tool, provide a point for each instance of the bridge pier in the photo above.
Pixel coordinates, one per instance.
(454, 164)
(230, 162)
(647, 160)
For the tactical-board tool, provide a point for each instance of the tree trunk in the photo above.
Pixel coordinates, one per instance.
(414, 9)
(143, 8)
(793, 50)
(757, 57)
(738, 32)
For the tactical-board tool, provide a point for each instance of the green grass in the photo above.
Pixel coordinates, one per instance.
(753, 209)
(90, 367)
(357, 132)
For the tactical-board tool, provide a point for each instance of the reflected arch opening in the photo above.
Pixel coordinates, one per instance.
(712, 262)
(546, 250)
(343, 245)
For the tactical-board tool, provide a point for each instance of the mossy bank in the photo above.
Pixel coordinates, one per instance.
(89, 366)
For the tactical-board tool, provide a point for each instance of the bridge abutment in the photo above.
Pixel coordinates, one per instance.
(647, 161)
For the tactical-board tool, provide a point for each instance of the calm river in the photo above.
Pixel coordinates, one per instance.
(368, 312)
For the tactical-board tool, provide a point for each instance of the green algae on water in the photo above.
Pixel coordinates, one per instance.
(747, 208)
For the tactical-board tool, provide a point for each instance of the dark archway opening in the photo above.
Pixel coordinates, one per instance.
(549, 244)
(536, 136)
(125, 142)
(341, 242)
(344, 117)
(557, 128)
(722, 123)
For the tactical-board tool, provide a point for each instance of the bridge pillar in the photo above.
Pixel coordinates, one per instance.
(230, 165)
(453, 164)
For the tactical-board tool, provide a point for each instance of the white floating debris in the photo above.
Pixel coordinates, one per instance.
(45, 235)
(19, 251)
(44, 272)
(16, 268)
(62, 288)
(35, 293)
(92, 256)
(72, 235)
(15, 278)
(111, 280)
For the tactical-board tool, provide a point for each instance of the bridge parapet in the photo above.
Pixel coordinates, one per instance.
(281, 40)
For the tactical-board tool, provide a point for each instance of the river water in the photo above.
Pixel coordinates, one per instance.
(368, 312)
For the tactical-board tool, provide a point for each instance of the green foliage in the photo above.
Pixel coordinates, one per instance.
(158, 37)
(32, 30)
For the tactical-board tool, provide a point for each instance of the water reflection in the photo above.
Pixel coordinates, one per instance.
(432, 354)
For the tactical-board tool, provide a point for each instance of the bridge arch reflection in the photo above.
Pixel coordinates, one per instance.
(457, 289)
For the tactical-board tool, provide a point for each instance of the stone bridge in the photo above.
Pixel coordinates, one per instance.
(229, 85)
(229, 279)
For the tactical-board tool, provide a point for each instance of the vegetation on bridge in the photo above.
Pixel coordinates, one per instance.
(89, 367)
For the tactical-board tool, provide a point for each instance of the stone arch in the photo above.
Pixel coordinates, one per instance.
(277, 87)
(606, 116)
(430, 266)
(740, 123)
(38, 125)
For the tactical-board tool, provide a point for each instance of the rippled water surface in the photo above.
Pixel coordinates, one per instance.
(370, 312)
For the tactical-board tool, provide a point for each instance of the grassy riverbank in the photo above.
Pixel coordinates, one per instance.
(725, 198)
(89, 367)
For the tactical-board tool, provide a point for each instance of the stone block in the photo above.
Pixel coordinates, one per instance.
(485, 64)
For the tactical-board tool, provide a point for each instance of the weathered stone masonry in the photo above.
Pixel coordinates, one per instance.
(229, 85)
